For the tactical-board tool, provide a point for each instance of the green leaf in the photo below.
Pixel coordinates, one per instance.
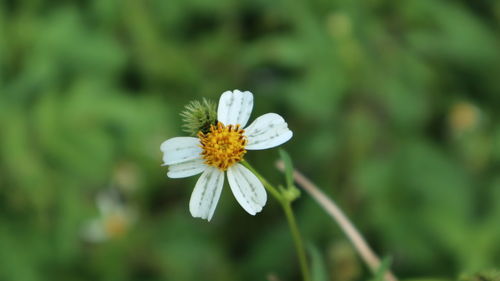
(382, 269)
(318, 267)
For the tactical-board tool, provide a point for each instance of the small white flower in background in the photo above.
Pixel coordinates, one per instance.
(464, 117)
(115, 218)
(219, 149)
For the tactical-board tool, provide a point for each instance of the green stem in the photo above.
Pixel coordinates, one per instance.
(286, 203)
(274, 192)
(297, 239)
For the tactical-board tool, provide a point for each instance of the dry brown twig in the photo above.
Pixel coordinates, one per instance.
(359, 243)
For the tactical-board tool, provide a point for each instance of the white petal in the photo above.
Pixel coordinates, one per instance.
(108, 201)
(186, 169)
(269, 130)
(206, 193)
(180, 149)
(235, 107)
(93, 231)
(247, 189)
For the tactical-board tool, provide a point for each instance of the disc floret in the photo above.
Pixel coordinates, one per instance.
(223, 146)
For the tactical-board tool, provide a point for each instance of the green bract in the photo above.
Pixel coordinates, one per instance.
(198, 116)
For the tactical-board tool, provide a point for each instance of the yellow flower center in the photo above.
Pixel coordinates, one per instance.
(115, 225)
(223, 146)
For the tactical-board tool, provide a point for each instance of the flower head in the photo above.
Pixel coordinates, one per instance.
(219, 148)
(223, 146)
(114, 220)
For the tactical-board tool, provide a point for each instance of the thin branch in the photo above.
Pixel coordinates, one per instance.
(364, 250)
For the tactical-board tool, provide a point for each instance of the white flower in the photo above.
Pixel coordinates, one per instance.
(114, 220)
(220, 149)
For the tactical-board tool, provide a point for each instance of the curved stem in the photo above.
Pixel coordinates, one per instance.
(360, 244)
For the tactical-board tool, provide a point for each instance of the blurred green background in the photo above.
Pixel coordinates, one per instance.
(394, 106)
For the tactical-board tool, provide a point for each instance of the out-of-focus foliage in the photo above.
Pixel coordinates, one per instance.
(491, 275)
(394, 107)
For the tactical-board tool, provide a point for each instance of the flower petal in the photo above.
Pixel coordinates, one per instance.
(269, 130)
(93, 231)
(108, 201)
(247, 189)
(186, 169)
(235, 107)
(180, 149)
(206, 193)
